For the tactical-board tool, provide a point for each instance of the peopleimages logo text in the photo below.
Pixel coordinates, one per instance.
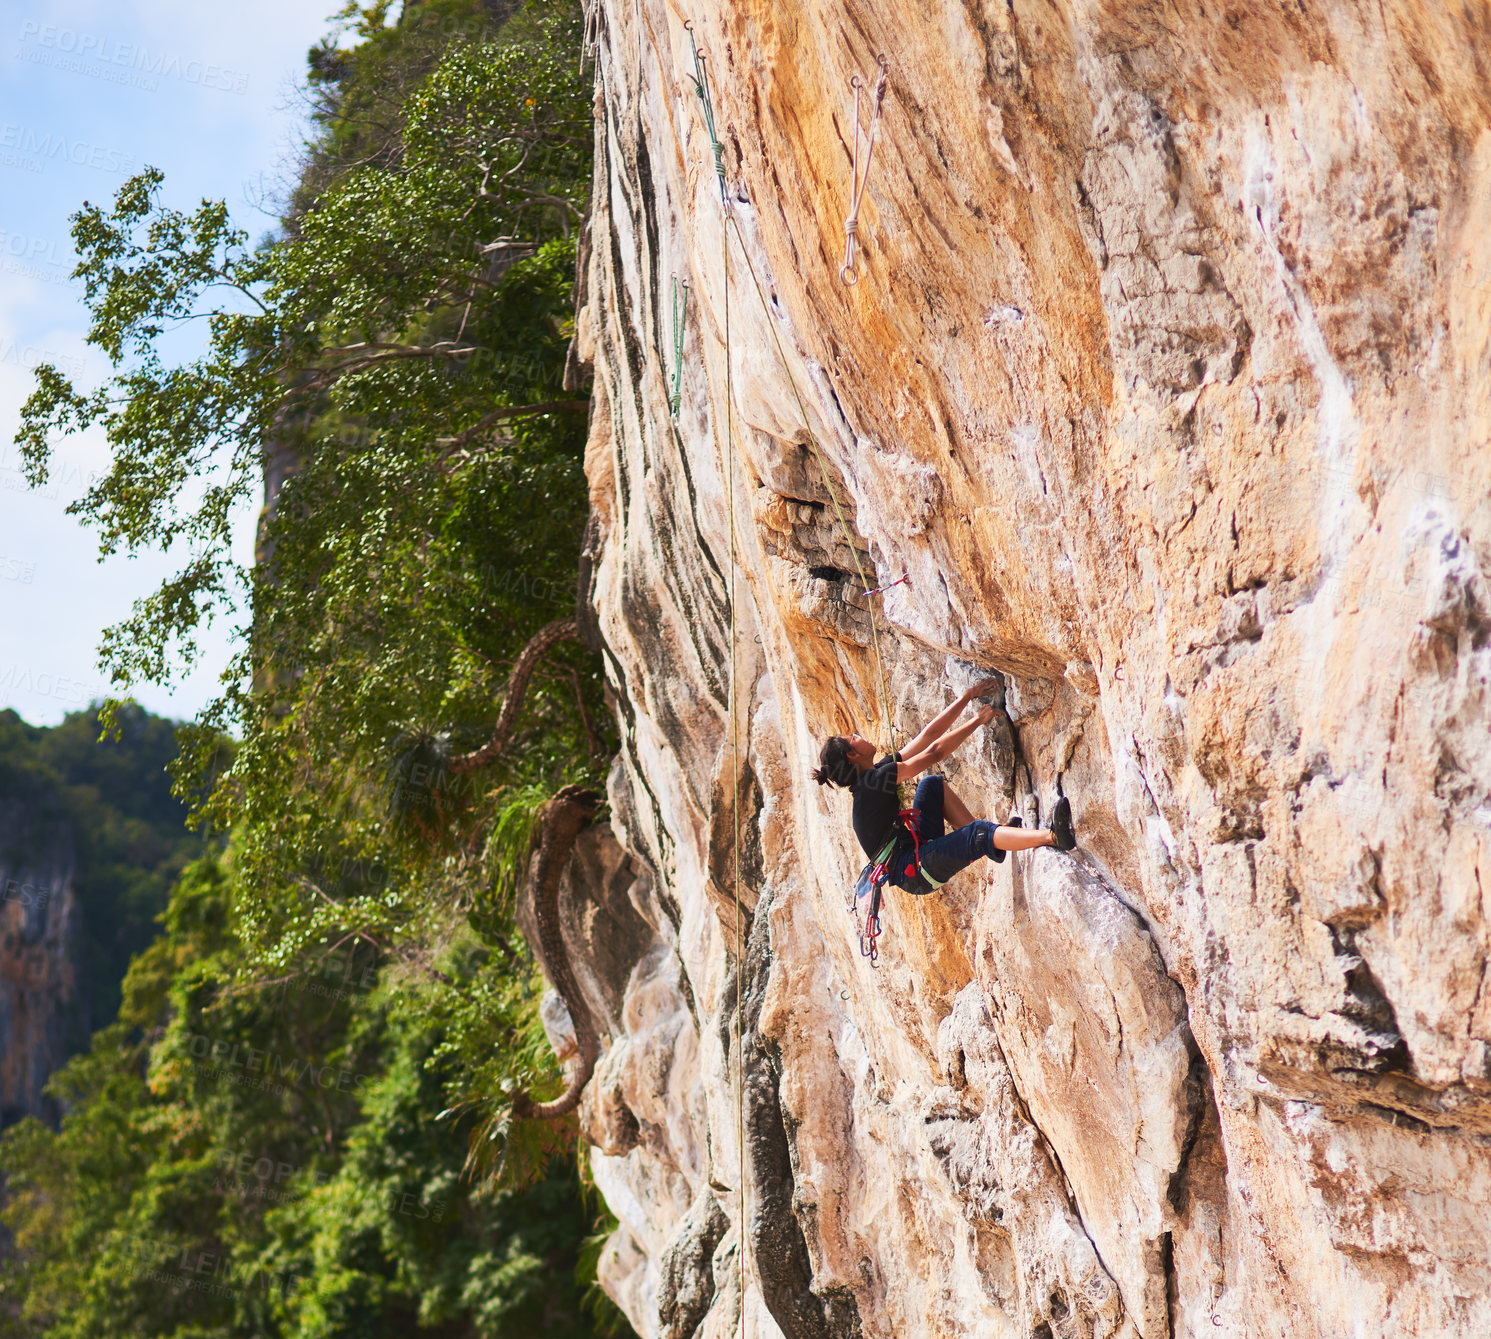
(84, 46)
(39, 147)
(253, 1060)
(17, 679)
(42, 250)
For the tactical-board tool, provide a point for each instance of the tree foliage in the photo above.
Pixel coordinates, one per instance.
(264, 1162)
(392, 359)
(416, 295)
(383, 350)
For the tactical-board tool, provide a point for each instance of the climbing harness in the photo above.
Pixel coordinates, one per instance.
(860, 175)
(701, 87)
(680, 312)
(874, 876)
(910, 819)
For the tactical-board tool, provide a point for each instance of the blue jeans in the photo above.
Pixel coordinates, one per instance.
(943, 853)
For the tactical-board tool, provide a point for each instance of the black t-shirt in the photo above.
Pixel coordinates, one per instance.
(876, 804)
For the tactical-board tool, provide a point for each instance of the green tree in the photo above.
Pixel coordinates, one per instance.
(264, 1162)
(403, 342)
(396, 351)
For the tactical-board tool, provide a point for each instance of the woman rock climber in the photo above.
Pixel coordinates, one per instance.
(849, 761)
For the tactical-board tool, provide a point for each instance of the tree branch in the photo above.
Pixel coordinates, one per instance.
(514, 411)
(561, 630)
(562, 820)
(357, 357)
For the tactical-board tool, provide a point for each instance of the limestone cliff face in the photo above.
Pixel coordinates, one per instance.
(1168, 384)
(42, 1000)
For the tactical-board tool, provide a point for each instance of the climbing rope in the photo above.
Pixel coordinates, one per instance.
(870, 932)
(701, 87)
(727, 457)
(706, 98)
(680, 312)
(859, 176)
(729, 462)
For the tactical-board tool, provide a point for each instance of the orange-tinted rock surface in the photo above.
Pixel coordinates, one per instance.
(1167, 383)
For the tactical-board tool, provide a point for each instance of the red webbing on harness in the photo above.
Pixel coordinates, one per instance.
(910, 819)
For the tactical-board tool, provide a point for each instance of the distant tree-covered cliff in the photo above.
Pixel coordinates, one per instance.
(90, 836)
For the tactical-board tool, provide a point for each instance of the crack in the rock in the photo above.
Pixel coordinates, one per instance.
(778, 1244)
(1023, 1107)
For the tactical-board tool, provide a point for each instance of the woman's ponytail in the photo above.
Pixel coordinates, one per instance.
(834, 766)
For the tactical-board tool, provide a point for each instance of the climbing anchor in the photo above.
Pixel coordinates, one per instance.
(880, 590)
(847, 273)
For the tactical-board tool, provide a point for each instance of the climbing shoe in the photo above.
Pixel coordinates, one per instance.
(1061, 825)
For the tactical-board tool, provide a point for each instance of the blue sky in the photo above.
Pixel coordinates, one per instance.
(88, 94)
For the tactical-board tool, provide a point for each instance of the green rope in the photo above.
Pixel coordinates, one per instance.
(701, 87)
(680, 312)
